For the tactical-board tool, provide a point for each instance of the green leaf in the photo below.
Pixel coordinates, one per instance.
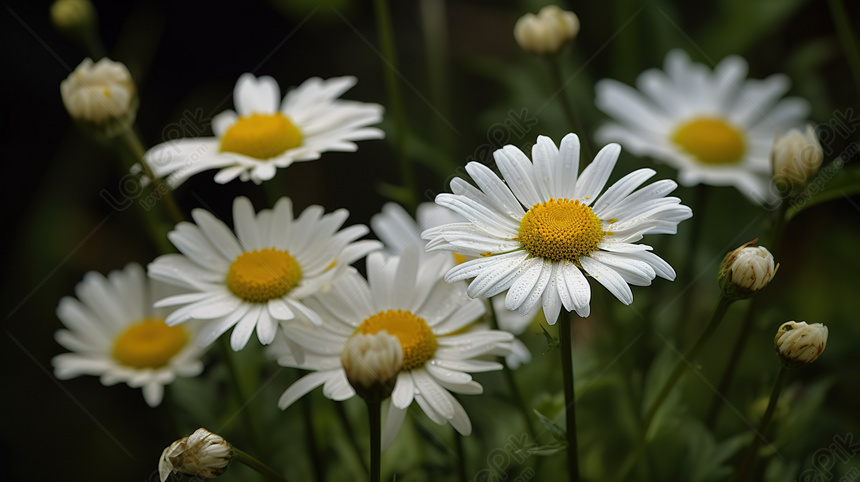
(557, 432)
(551, 341)
(545, 450)
(831, 182)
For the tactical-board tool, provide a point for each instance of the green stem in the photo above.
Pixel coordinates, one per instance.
(749, 458)
(569, 110)
(163, 191)
(238, 390)
(776, 236)
(258, 466)
(846, 37)
(680, 368)
(350, 433)
(374, 414)
(395, 98)
(564, 333)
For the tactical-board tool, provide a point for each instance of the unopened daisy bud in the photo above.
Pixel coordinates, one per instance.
(100, 96)
(547, 31)
(746, 270)
(796, 156)
(800, 343)
(202, 454)
(372, 363)
(73, 17)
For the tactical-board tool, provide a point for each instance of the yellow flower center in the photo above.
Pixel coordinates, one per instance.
(560, 229)
(711, 140)
(416, 338)
(261, 136)
(459, 258)
(149, 343)
(261, 275)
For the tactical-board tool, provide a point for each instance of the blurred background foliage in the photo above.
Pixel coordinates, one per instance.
(468, 90)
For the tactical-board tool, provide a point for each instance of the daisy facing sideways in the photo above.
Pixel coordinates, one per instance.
(258, 277)
(407, 297)
(715, 127)
(539, 232)
(396, 228)
(113, 332)
(265, 133)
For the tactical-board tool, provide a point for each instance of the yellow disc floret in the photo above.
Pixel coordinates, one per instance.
(416, 338)
(711, 141)
(560, 229)
(149, 343)
(261, 275)
(261, 136)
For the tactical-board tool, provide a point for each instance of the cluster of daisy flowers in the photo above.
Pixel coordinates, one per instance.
(447, 293)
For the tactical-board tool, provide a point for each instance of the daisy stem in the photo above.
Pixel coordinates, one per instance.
(569, 400)
(511, 381)
(759, 434)
(258, 466)
(162, 190)
(461, 457)
(776, 236)
(567, 105)
(374, 414)
(846, 37)
(310, 435)
(395, 98)
(680, 367)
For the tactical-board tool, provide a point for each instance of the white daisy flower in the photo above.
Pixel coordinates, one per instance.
(261, 278)
(713, 127)
(406, 297)
(113, 332)
(396, 228)
(536, 232)
(262, 136)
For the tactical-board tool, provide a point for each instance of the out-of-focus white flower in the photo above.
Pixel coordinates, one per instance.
(715, 127)
(371, 363)
(112, 331)
(100, 93)
(800, 343)
(746, 270)
(202, 454)
(547, 31)
(796, 156)
(265, 133)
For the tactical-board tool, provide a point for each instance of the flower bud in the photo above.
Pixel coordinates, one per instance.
(547, 31)
(796, 156)
(100, 95)
(75, 18)
(800, 343)
(372, 363)
(202, 454)
(746, 270)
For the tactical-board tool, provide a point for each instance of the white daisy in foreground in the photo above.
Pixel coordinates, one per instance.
(262, 136)
(396, 228)
(406, 297)
(536, 232)
(714, 127)
(113, 332)
(259, 279)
